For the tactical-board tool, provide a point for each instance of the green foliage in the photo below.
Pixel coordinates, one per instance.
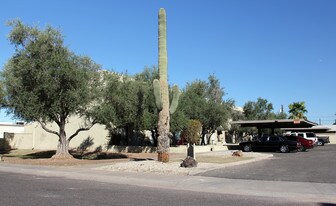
(297, 110)
(215, 92)
(281, 115)
(4, 146)
(192, 131)
(258, 110)
(193, 100)
(178, 121)
(2, 94)
(150, 117)
(128, 102)
(45, 82)
(204, 101)
(124, 100)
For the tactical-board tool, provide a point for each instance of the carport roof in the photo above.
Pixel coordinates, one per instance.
(278, 123)
(318, 128)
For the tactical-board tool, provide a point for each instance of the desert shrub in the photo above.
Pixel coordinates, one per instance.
(191, 133)
(4, 146)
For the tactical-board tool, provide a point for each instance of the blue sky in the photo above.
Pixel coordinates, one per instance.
(283, 51)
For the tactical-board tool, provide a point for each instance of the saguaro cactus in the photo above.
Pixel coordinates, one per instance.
(162, 94)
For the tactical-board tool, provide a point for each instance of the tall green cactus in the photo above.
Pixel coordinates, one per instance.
(161, 93)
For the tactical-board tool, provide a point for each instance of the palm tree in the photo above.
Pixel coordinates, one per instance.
(297, 110)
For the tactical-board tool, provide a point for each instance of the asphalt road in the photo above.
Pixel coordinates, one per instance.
(317, 165)
(22, 189)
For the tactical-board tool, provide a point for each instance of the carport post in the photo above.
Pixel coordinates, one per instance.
(273, 132)
(259, 132)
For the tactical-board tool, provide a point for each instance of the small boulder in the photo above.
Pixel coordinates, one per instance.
(238, 153)
(189, 162)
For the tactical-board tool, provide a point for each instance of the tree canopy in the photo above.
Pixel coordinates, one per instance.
(203, 101)
(297, 110)
(45, 82)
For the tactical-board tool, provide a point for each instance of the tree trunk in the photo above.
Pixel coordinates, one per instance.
(62, 151)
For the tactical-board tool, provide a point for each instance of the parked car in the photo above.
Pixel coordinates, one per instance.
(270, 143)
(305, 143)
(322, 140)
(306, 135)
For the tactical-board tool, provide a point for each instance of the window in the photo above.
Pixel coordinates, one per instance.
(310, 134)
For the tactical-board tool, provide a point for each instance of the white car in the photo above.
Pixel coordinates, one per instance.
(306, 135)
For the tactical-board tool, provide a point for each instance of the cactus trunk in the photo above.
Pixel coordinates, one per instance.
(164, 117)
(161, 93)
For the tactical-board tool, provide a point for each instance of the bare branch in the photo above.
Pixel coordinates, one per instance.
(80, 130)
(46, 129)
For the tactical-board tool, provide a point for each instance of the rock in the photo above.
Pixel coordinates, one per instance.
(238, 153)
(189, 162)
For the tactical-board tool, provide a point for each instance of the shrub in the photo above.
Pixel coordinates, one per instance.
(4, 146)
(191, 133)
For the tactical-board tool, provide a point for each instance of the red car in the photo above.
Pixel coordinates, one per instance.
(305, 143)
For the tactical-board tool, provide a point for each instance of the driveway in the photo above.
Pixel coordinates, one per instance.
(316, 165)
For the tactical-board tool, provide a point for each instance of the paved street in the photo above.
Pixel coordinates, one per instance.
(22, 190)
(317, 165)
(300, 179)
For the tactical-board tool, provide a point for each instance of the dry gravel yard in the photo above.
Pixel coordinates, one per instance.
(128, 162)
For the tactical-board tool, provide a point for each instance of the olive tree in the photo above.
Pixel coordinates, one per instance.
(45, 82)
(205, 102)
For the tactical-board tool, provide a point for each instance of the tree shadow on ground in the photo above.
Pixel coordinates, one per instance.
(141, 159)
(96, 155)
(39, 155)
(99, 155)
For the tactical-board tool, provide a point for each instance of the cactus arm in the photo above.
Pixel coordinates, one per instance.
(157, 94)
(174, 103)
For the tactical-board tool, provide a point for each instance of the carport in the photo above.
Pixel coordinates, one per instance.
(273, 124)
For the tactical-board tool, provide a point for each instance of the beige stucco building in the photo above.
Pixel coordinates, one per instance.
(33, 136)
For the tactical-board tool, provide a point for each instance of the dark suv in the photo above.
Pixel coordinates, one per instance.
(270, 143)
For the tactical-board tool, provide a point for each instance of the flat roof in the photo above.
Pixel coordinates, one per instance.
(318, 128)
(277, 123)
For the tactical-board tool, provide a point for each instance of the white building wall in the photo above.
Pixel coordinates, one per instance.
(8, 127)
(332, 136)
(35, 137)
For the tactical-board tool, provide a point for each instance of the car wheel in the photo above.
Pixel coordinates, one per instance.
(302, 149)
(247, 148)
(320, 143)
(284, 148)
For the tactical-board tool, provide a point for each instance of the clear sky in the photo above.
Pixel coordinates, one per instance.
(283, 51)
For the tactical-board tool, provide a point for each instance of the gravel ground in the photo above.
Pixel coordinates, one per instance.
(148, 166)
(147, 162)
(152, 166)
